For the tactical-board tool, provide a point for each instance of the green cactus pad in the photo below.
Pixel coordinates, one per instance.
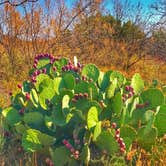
(111, 88)
(92, 117)
(129, 134)
(137, 83)
(58, 116)
(60, 63)
(146, 138)
(97, 131)
(104, 80)
(11, 115)
(106, 141)
(160, 120)
(120, 78)
(33, 140)
(60, 155)
(69, 81)
(91, 71)
(39, 79)
(116, 103)
(43, 63)
(33, 119)
(154, 97)
(34, 97)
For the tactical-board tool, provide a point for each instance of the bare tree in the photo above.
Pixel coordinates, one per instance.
(159, 11)
(16, 3)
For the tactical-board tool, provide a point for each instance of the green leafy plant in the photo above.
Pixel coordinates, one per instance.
(69, 110)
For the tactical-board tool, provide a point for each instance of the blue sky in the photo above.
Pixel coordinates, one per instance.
(108, 5)
(145, 3)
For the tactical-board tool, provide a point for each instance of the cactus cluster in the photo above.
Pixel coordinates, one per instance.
(67, 108)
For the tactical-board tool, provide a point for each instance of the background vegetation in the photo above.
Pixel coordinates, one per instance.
(128, 37)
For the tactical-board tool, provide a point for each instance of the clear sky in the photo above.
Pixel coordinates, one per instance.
(108, 5)
(145, 3)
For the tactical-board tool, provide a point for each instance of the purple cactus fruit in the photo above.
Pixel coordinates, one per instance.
(77, 152)
(63, 68)
(35, 65)
(76, 96)
(81, 95)
(19, 86)
(114, 125)
(72, 150)
(123, 99)
(21, 111)
(133, 93)
(33, 78)
(90, 80)
(38, 72)
(117, 136)
(65, 141)
(127, 88)
(70, 67)
(75, 69)
(35, 61)
(79, 64)
(49, 56)
(34, 81)
(84, 78)
(74, 100)
(69, 63)
(34, 74)
(46, 55)
(68, 146)
(10, 93)
(86, 95)
(122, 145)
(130, 94)
(76, 156)
(47, 161)
(120, 140)
(54, 68)
(67, 67)
(122, 150)
(44, 70)
(131, 89)
(51, 61)
(42, 56)
(27, 96)
(124, 95)
(51, 164)
(118, 131)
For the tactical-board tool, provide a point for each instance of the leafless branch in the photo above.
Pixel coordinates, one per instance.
(16, 3)
(77, 14)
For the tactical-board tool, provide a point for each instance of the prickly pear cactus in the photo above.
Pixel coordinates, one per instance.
(68, 109)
